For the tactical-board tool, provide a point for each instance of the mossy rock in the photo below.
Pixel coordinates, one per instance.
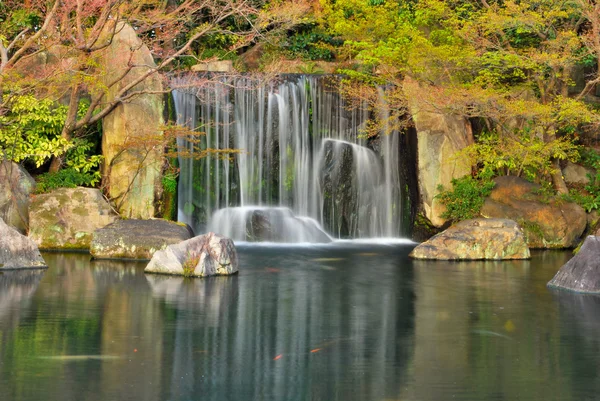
(137, 239)
(65, 219)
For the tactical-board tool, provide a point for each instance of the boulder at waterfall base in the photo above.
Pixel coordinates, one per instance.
(136, 239)
(67, 217)
(582, 272)
(476, 239)
(17, 251)
(548, 222)
(205, 255)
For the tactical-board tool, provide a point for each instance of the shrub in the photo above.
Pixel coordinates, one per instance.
(465, 199)
(66, 178)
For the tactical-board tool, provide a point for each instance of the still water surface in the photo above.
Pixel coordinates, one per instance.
(346, 322)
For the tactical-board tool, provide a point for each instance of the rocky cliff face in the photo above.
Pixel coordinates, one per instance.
(133, 161)
(439, 137)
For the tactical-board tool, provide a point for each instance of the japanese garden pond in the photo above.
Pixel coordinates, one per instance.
(347, 321)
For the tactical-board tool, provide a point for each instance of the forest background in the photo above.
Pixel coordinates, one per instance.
(525, 73)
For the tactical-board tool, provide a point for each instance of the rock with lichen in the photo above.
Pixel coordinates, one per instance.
(202, 256)
(137, 239)
(66, 218)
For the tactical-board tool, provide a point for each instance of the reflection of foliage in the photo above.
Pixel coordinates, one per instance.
(465, 199)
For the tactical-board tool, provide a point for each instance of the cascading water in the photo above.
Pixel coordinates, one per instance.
(304, 167)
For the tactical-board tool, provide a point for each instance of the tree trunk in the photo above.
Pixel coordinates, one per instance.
(557, 179)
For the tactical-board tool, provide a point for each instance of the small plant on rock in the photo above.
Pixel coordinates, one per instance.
(190, 263)
(465, 199)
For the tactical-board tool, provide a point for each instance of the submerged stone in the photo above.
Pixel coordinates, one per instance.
(67, 217)
(273, 224)
(475, 239)
(205, 255)
(17, 251)
(582, 272)
(136, 239)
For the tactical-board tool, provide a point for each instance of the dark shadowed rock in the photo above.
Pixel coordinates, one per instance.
(17, 251)
(67, 217)
(15, 187)
(476, 239)
(205, 255)
(136, 239)
(548, 222)
(582, 272)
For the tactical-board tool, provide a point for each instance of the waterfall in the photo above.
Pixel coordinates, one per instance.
(305, 166)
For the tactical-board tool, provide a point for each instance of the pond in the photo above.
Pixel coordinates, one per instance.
(342, 322)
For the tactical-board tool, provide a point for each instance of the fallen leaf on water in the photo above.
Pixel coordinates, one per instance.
(272, 270)
(312, 351)
(278, 357)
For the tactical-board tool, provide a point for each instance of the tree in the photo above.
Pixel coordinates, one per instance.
(509, 64)
(53, 48)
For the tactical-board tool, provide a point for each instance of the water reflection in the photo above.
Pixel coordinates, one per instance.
(346, 323)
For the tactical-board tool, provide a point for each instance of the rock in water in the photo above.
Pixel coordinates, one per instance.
(67, 217)
(548, 221)
(136, 239)
(582, 272)
(17, 251)
(476, 239)
(205, 255)
(15, 187)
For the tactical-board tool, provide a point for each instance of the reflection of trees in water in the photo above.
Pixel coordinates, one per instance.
(580, 328)
(159, 338)
(485, 330)
(16, 289)
(251, 337)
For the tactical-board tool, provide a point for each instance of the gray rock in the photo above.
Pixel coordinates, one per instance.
(136, 239)
(576, 174)
(17, 251)
(475, 239)
(15, 187)
(214, 66)
(205, 255)
(582, 272)
(134, 173)
(67, 217)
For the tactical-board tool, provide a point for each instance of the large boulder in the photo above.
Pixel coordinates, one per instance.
(476, 239)
(577, 174)
(15, 187)
(439, 137)
(582, 272)
(205, 255)
(131, 135)
(548, 222)
(17, 251)
(67, 217)
(136, 239)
